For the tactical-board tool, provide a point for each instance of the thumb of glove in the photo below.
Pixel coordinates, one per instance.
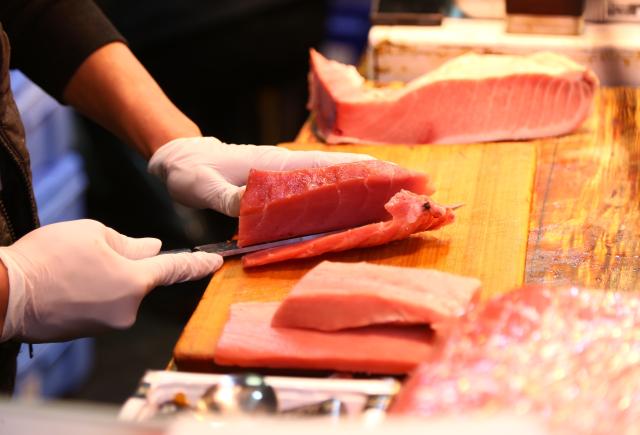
(218, 193)
(167, 269)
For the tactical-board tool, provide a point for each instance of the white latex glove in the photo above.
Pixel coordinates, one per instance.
(202, 172)
(78, 278)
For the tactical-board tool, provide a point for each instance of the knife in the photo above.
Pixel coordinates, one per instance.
(231, 248)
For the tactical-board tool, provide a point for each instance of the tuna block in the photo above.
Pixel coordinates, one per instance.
(472, 98)
(249, 340)
(410, 213)
(283, 204)
(334, 296)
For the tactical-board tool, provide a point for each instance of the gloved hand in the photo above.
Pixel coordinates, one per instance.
(77, 278)
(202, 172)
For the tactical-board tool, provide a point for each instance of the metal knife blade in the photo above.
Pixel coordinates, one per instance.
(230, 247)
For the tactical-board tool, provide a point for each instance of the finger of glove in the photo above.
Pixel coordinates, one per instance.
(132, 248)
(218, 193)
(327, 159)
(167, 269)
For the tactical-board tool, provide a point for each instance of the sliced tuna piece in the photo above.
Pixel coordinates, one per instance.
(472, 98)
(410, 213)
(334, 296)
(281, 205)
(249, 340)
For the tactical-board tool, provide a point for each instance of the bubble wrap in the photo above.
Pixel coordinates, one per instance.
(566, 355)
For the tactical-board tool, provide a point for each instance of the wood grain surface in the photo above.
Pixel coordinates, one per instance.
(488, 239)
(585, 220)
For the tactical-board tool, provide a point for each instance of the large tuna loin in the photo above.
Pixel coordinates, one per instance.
(568, 356)
(249, 340)
(472, 98)
(410, 213)
(334, 296)
(284, 204)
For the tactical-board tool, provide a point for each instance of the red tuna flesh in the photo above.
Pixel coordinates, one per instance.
(568, 356)
(472, 98)
(281, 205)
(248, 340)
(334, 296)
(410, 213)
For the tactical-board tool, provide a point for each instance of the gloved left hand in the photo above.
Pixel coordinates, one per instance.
(202, 172)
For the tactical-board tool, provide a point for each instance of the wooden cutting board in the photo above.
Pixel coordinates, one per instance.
(488, 239)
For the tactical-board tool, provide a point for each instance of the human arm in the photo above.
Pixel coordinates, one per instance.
(114, 89)
(107, 83)
(71, 49)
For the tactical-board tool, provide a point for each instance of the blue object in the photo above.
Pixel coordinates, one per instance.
(60, 190)
(49, 127)
(59, 184)
(347, 30)
(55, 369)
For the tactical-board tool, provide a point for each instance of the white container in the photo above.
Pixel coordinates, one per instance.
(402, 53)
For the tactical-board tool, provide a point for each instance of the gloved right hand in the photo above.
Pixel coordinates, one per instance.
(202, 172)
(78, 278)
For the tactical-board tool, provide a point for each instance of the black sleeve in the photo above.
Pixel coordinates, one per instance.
(51, 38)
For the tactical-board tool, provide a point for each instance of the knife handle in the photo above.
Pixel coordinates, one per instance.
(176, 251)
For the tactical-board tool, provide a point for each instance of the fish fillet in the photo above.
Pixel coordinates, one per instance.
(472, 98)
(285, 204)
(410, 213)
(249, 340)
(334, 296)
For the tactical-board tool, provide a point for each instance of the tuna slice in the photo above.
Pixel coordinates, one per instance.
(248, 340)
(472, 98)
(410, 213)
(334, 296)
(280, 205)
(567, 356)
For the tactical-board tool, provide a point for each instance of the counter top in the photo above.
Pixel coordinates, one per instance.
(576, 222)
(585, 210)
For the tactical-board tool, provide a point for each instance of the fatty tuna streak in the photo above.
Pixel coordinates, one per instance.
(281, 205)
(248, 340)
(334, 296)
(410, 213)
(472, 98)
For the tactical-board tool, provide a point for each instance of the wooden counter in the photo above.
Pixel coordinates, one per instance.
(585, 213)
(578, 222)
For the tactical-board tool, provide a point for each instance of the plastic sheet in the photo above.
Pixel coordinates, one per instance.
(566, 355)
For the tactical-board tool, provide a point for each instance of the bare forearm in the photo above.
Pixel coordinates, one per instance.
(114, 89)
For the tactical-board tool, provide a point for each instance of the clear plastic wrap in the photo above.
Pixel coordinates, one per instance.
(566, 355)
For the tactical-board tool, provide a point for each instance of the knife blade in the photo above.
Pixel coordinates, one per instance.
(230, 248)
